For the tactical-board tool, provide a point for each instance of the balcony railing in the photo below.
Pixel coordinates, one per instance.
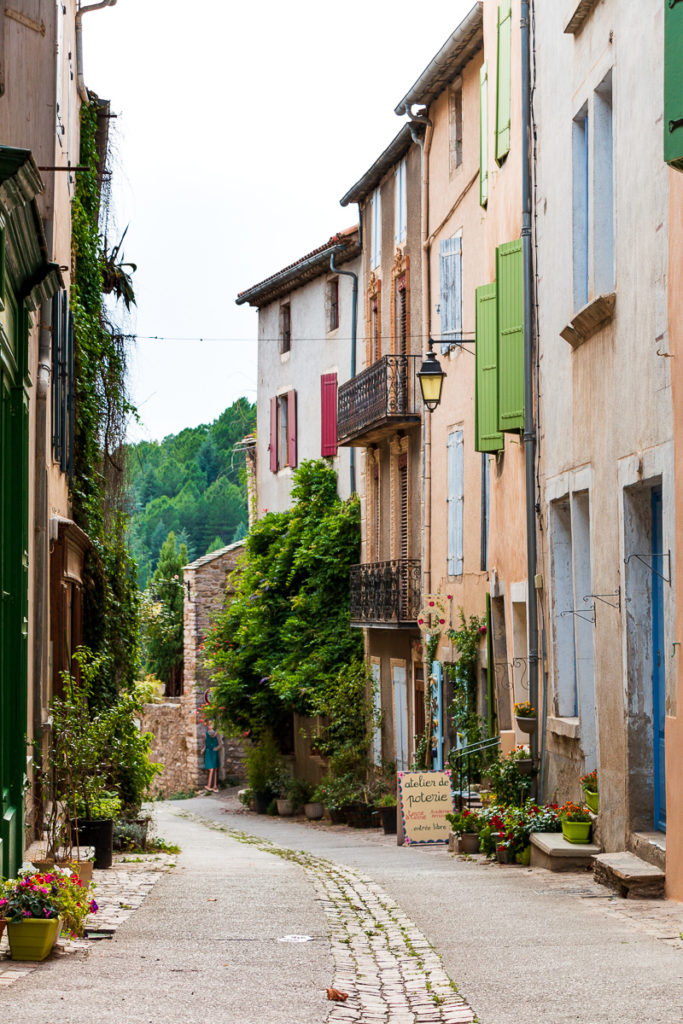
(386, 593)
(386, 394)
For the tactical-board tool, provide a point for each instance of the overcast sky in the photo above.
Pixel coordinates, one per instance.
(240, 127)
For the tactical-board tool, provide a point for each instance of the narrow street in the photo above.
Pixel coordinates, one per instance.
(412, 935)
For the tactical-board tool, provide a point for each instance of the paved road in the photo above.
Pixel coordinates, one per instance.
(520, 945)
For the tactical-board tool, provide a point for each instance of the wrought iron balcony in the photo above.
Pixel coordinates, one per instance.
(386, 593)
(382, 397)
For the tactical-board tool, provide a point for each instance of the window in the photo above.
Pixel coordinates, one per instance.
(283, 432)
(332, 303)
(483, 135)
(456, 499)
(503, 80)
(580, 206)
(328, 414)
(450, 286)
(401, 315)
(59, 119)
(285, 328)
(455, 126)
(376, 215)
(401, 211)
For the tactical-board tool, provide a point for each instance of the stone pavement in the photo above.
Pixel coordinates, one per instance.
(119, 891)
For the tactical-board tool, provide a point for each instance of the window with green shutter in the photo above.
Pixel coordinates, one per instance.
(673, 84)
(503, 80)
(483, 134)
(487, 436)
(510, 350)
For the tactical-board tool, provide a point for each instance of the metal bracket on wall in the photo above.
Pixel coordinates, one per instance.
(650, 566)
(587, 614)
(607, 599)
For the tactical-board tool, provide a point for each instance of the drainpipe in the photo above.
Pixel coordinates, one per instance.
(80, 81)
(424, 141)
(354, 322)
(529, 426)
(41, 518)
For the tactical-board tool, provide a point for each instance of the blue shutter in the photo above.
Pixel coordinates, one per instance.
(437, 704)
(450, 286)
(456, 499)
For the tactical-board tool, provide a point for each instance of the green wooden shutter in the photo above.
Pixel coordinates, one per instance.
(503, 80)
(483, 134)
(487, 436)
(510, 353)
(673, 84)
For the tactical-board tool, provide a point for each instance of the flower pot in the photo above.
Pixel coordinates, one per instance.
(524, 724)
(32, 939)
(469, 842)
(98, 832)
(525, 765)
(577, 831)
(503, 855)
(285, 808)
(3, 922)
(314, 811)
(591, 800)
(261, 802)
(82, 868)
(338, 815)
(389, 820)
(359, 815)
(131, 832)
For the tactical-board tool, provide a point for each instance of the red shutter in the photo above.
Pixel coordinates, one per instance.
(272, 447)
(328, 414)
(291, 429)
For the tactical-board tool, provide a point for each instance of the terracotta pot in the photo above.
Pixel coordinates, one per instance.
(525, 724)
(469, 842)
(503, 856)
(314, 811)
(285, 808)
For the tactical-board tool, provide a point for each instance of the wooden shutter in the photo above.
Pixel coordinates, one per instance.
(456, 497)
(503, 82)
(487, 436)
(328, 414)
(273, 435)
(403, 505)
(484, 134)
(510, 355)
(673, 84)
(291, 429)
(450, 286)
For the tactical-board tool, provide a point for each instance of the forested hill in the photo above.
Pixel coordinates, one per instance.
(192, 483)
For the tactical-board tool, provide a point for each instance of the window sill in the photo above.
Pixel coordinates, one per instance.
(589, 320)
(580, 16)
(568, 727)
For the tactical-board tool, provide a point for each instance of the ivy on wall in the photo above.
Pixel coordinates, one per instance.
(111, 600)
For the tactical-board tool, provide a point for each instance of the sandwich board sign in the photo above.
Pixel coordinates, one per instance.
(424, 799)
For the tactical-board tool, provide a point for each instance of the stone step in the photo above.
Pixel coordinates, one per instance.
(650, 846)
(551, 850)
(628, 875)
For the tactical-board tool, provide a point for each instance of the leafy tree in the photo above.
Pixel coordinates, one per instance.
(163, 616)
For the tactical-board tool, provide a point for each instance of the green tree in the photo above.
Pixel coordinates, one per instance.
(163, 616)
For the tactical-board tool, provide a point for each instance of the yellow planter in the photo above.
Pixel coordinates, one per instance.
(33, 938)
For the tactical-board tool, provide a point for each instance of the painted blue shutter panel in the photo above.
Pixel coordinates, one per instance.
(456, 499)
(450, 274)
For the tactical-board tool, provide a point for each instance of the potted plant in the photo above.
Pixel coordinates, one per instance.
(590, 789)
(576, 823)
(34, 905)
(315, 808)
(521, 755)
(465, 824)
(525, 716)
(263, 767)
(388, 811)
(298, 793)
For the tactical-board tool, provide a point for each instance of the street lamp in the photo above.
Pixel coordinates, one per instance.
(431, 378)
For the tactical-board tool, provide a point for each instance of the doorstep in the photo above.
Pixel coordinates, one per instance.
(551, 850)
(630, 876)
(649, 846)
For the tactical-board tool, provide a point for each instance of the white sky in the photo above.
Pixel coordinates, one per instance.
(240, 127)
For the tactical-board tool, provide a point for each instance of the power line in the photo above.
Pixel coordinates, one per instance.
(384, 337)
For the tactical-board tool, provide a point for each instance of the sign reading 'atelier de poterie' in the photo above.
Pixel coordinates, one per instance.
(425, 799)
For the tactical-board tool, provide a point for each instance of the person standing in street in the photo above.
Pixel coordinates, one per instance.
(212, 745)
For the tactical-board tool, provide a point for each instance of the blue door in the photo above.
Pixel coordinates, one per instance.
(658, 669)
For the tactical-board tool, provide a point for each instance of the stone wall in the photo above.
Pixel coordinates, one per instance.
(206, 586)
(169, 746)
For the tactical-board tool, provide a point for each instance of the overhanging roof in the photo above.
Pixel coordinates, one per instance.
(395, 151)
(458, 49)
(345, 246)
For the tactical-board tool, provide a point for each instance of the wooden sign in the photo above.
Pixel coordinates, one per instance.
(425, 798)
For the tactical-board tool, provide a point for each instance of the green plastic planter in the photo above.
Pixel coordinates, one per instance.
(32, 939)
(577, 831)
(591, 800)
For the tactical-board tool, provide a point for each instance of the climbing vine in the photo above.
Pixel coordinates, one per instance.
(463, 708)
(102, 407)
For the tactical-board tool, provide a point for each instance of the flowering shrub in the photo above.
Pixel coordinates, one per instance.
(46, 895)
(590, 781)
(510, 828)
(572, 812)
(466, 820)
(525, 710)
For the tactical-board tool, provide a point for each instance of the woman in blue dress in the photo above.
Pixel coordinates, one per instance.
(211, 757)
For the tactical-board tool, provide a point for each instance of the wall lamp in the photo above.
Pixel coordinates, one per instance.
(431, 378)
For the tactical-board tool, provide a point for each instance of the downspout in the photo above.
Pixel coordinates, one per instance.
(354, 322)
(41, 519)
(80, 81)
(529, 426)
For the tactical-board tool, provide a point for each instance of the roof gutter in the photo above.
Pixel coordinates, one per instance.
(80, 81)
(279, 281)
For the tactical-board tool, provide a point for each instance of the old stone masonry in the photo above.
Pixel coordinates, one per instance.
(383, 962)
